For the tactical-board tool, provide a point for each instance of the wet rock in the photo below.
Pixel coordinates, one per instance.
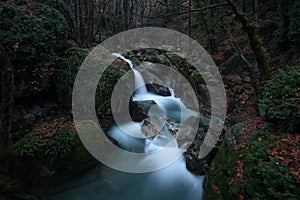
(158, 89)
(173, 127)
(139, 109)
(195, 165)
(222, 166)
(149, 129)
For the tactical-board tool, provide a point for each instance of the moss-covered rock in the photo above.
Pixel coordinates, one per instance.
(222, 169)
(248, 168)
(50, 150)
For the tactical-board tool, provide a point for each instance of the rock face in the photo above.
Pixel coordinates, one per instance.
(221, 169)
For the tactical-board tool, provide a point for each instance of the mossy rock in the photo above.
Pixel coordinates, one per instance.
(81, 159)
(39, 169)
(222, 169)
(220, 173)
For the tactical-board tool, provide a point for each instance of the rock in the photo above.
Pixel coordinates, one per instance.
(30, 117)
(149, 129)
(235, 78)
(173, 127)
(158, 89)
(221, 167)
(139, 109)
(247, 79)
(195, 165)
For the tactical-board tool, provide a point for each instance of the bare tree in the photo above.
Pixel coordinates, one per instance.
(250, 27)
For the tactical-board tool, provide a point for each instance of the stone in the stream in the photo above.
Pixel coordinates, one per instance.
(158, 89)
(149, 129)
(139, 109)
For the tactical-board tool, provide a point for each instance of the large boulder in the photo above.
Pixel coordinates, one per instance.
(139, 109)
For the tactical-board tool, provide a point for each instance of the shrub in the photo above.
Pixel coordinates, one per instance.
(66, 75)
(294, 26)
(51, 140)
(105, 87)
(264, 176)
(27, 147)
(37, 31)
(32, 34)
(281, 97)
(61, 145)
(67, 72)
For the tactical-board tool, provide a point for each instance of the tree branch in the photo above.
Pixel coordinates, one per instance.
(193, 10)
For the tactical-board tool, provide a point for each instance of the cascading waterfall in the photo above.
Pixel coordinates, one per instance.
(140, 87)
(170, 183)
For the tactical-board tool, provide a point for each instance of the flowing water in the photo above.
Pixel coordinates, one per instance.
(173, 182)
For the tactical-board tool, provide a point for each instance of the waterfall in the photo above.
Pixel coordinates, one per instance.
(140, 87)
(173, 182)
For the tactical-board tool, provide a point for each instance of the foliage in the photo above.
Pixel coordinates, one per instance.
(33, 32)
(51, 140)
(106, 86)
(61, 144)
(66, 74)
(294, 26)
(264, 176)
(281, 96)
(260, 166)
(27, 147)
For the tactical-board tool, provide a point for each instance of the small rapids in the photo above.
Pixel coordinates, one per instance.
(173, 182)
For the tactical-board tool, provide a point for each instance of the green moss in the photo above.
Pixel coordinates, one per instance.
(81, 159)
(263, 176)
(221, 172)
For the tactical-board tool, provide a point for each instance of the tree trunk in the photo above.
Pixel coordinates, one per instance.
(6, 98)
(125, 9)
(250, 27)
(190, 19)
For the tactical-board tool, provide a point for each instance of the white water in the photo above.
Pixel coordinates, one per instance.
(173, 182)
(140, 86)
(174, 107)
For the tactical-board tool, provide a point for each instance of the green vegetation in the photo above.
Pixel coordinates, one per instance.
(67, 72)
(265, 177)
(32, 33)
(255, 44)
(280, 99)
(49, 140)
(105, 87)
(254, 172)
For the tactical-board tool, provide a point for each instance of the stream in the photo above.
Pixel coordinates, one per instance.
(173, 182)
